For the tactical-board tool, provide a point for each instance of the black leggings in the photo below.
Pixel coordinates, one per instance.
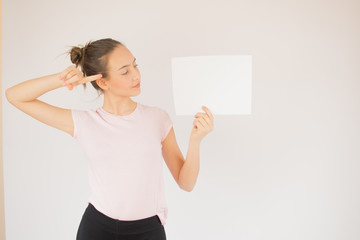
(95, 225)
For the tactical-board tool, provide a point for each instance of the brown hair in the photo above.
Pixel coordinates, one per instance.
(93, 58)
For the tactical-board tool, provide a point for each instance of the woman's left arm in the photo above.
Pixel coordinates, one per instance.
(203, 124)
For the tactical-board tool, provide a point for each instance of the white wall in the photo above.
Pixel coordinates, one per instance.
(290, 170)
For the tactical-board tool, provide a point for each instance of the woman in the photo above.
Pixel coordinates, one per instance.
(125, 142)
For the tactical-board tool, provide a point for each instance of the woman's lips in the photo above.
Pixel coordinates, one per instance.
(137, 85)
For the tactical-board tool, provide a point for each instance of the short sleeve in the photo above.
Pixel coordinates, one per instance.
(76, 119)
(166, 124)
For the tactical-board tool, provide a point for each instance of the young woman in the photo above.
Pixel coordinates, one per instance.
(125, 142)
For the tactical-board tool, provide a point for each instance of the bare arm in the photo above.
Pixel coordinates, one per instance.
(32, 89)
(24, 97)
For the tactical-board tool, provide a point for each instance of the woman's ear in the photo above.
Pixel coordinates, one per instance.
(102, 83)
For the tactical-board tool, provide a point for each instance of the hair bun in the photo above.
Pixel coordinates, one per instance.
(76, 55)
(92, 57)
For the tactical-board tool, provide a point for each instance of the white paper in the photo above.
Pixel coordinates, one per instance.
(222, 83)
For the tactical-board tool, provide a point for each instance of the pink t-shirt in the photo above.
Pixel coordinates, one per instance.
(125, 160)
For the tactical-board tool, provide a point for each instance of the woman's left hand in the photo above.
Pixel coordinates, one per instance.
(203, 124)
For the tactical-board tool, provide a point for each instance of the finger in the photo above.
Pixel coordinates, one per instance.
(68, 86)
(200, 114)
(197, 124)
(208, 112)
(71, 74)
(63, 74)
(73, 79)
(201, 122)
(203, 115)
(66, 71)
(207, 120)
(206, 117)
(92, 78)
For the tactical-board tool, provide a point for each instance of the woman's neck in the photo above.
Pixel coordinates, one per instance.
(120, 107)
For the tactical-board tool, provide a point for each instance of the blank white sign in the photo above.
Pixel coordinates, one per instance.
(222, 83)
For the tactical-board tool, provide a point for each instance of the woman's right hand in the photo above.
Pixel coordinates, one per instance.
(72, 77)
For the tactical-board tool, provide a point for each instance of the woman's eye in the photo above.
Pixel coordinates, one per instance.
(127, 71)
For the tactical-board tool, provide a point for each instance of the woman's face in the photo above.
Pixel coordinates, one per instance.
(123, 73)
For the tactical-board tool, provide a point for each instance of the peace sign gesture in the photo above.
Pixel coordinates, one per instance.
(72, 77)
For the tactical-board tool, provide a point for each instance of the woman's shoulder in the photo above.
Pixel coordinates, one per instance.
(85, 112)
(153, 109)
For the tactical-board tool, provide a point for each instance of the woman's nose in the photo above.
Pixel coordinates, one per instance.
(137, 76)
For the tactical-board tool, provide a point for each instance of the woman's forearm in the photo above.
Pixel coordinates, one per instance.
(190, 169)
(32, 89)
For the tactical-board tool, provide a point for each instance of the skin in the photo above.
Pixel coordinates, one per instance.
(118, 87)
(117, 92)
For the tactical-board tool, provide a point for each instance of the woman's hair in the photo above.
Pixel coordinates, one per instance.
(93, 58)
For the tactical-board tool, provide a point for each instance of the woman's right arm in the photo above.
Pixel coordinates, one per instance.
(24, 97)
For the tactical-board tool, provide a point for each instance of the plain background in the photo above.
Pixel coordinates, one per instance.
(290, 170)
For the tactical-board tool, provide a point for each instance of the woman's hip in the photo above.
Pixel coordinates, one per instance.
(97, 225)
